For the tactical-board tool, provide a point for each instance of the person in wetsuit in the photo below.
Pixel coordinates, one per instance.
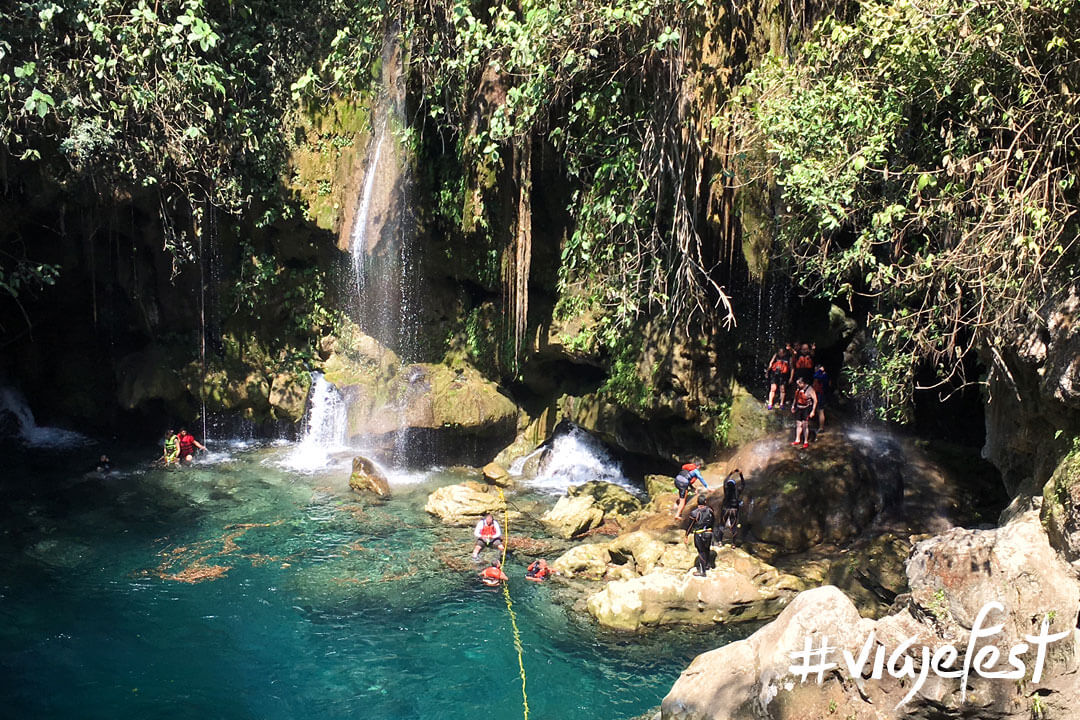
(701, 527)
(684, 483)
(729, 514)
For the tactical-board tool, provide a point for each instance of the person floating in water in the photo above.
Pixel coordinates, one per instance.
(779, 373)
(538, 571)
(701, 526)
(171, 453)
(493, 574)
(803, 407)
(487, 534)
(188, 443)
(684, 483)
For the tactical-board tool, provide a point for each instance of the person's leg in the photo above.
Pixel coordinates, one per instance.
(821, 419)
(702, 552)
(772, 394)
(476, 550)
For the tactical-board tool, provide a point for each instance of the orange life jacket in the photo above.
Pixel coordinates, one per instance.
(804, 362)
(537, 573)
(802, 398)
(780, 366)
(487, 531)
(689, 467)
(492, 576)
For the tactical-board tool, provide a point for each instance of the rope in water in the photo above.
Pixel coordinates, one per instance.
(510, 606)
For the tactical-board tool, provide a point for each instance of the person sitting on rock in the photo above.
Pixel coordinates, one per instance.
(493, 574)
(488, 534)
(701, 526)
(684, 483)
(171, 453)
(538, 571)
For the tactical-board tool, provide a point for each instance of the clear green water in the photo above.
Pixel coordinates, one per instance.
(329, 608)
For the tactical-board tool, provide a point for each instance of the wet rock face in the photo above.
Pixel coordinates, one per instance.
(366, 477)
(1061, 507)
(828, 494)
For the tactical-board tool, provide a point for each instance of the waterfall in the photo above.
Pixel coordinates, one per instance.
(14, 404)
(577, 457)
(358, 238)
(324, 429)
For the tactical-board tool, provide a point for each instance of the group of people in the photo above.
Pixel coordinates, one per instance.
(702, 521)
(795, 364)
(180, 447)
(488, 534)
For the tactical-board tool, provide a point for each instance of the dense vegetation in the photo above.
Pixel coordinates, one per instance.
(925, 151)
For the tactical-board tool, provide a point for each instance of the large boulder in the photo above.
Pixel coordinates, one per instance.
(1061, 507)
(615, 500)
(573, 516)
(465, 503)
(588, 561)
(497, 475)
(740, 588)
(366, 477)
(954, 577)
(829, 494)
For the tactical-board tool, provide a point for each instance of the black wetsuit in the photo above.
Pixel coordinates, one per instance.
(701, 525)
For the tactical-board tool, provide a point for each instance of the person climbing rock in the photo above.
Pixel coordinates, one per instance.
(538, 571)
(171, 453)
(803, 407)
(188, 443)
(779, 373)
(493, 574)
(803, 364)
(488, 534)
(684, 483)
(701, 527)
(821, 387)
(729, 514)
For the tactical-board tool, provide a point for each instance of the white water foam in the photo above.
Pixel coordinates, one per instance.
(323, 440)
(576, 458)
(14, 403)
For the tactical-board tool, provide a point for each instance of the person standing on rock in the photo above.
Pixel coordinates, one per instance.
(729, 513)
(821, 388)
(779, 374)
(684, 483)
(701, 526)
(803, 407)
(488, 534)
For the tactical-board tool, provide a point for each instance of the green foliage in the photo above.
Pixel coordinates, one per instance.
(926, 152)
(624, 385)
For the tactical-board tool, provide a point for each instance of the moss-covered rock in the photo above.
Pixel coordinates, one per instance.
(367, 478)
(1061, 506)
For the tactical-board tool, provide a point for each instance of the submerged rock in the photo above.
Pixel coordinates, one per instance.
(366, 477)
(573, 516)
(738, 589)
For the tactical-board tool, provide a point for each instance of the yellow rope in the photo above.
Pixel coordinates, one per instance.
(510, 606)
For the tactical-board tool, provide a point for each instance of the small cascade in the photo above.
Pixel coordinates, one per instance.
(324, 430)
(358, 242)
(577, 457)
(13, 404)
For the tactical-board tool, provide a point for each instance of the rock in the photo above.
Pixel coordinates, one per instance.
(588, 561)
(740, 588)
(288, 395)
(496, 475)
(613, 499)
(751, 678)
(465, 503)
(954, 575)
(572, 516)
(659, 485)
(366, 477)
(749, 420)
(644, 550)
(828, 495)
(147, 376)
(1061, 507)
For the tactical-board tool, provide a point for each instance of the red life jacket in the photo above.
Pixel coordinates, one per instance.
(689, 467)
(780, 366)
(492, 576)
(804, 362)
(802, 399)
(487, 531)
(187, 444)
(537, 573)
